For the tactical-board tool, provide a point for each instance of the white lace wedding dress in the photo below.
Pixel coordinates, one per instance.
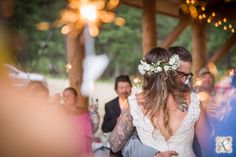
(182, 139)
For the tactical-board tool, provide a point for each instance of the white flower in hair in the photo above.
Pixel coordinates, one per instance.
(141, 69)
(149, 69)
(166, 68)
(158, 69)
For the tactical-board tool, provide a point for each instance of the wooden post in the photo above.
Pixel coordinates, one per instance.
(183, 23)
(75, 56)
(199, 52)
(224, 49)
(148, 25)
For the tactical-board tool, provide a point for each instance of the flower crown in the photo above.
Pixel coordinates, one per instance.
(149, 69)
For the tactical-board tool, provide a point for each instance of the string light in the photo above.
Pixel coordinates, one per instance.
(197, 10)
(213, 14)
(200, 17)
(188, 1)
(68, 67)
(209, 20)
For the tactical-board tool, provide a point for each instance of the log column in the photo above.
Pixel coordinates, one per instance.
(199, 51)
(149, 32)
(75, 56)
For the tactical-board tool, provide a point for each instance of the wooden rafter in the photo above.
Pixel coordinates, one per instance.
(224, 49)
(183, 23)
(162, 6)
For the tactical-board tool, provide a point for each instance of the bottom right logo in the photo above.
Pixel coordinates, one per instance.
(224, 144)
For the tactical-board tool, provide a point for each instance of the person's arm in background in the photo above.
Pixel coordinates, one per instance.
(108, 123)
(203, 130)
(122, 131)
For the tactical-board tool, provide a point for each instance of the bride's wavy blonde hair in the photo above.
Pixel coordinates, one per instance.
(158, 86)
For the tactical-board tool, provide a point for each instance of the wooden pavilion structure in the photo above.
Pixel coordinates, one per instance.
(188, 12)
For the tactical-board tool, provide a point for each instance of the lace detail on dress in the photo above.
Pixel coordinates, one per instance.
(193, 113)
(139, 119)
(182, 139)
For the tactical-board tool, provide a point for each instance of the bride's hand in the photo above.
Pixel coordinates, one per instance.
(169, 153)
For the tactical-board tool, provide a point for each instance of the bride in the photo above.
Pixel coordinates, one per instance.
(166, 114)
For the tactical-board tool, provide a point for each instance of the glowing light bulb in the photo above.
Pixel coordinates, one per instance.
(89, 12)
(200, 17)
(68, 67)
(213, 14)
(65, 30)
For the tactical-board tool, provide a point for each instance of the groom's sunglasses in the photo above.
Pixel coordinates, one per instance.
(186, 75)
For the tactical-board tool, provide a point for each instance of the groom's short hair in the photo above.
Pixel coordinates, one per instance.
(183, 53)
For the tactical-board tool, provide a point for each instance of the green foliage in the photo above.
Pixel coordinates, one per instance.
(122, 44)
(36, 53)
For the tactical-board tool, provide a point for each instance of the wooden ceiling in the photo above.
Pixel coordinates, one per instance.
(224, 8)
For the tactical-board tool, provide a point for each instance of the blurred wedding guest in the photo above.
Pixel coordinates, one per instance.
(205, 88)
(205, 81)
(80, 118)
(38, 90)
(31, 128)
(223, 141)
(114, 107)
(57, 99)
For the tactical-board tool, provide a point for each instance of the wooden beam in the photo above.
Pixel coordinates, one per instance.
(199, 51)
(162, 6)
(75, 56)
(224, 49)
(183, 23)
(148, 26)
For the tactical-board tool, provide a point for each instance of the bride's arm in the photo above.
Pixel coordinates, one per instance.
(122, 131)
(203, 130)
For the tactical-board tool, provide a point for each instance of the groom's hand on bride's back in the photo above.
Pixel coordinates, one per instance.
(166, 154)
